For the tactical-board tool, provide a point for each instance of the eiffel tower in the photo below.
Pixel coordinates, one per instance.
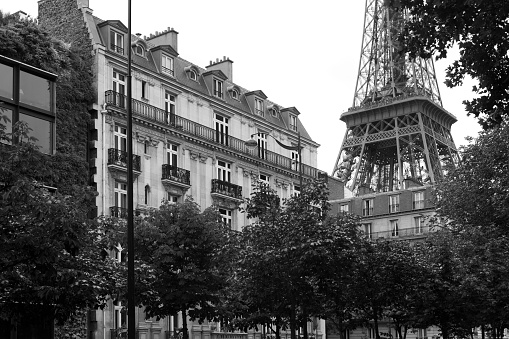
(398, 134)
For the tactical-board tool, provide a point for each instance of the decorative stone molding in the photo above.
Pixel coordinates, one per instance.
(227, 203)
(281, 183)
(194, 155)
(203, 158)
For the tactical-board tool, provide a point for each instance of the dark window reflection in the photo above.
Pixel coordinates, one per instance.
(41, 130)
(5, 112)
(34, 91)
(6, 82)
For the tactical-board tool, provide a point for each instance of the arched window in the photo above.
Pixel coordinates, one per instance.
(147, 194)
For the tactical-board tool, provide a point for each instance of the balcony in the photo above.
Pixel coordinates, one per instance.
(119, 212)
(228, 335)
(176, 180)
(226, 194)
(400, 233)
(154, 114)
(117, 163)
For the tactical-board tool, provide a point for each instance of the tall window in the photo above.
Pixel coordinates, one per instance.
(367, 230)
(394, 228)
(418, 202)
(172, 155)
(226, 216)
(221, 129)
(296, 189)
(259, 107)
(295, 160)
(119, 89)
(120, 195)
(367, 207)
(147, 195)
(393, 203)
(144, 89)
(224, 171)
(418, 225)
(167, 65)
(117, 42)
(343, 208)
(172, 199)
(218, 88)
(170, 104)
(293, 122)
(262, 145)
(120, 138)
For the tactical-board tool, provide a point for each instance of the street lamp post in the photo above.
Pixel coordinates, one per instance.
(252, 144)
(131, 324)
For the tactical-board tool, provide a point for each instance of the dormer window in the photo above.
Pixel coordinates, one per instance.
(192, 72)
(192, 75)
(139, 50)
(167, 65)
(293, 122)
(218, 88)
(117, 42)
(235, 94)
(273, 110)
(259, 107)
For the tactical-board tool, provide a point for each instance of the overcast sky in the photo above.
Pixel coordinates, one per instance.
(299, 53)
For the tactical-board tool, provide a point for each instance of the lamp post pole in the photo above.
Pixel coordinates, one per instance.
(131, 325)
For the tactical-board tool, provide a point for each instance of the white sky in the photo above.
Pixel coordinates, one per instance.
(299, 53)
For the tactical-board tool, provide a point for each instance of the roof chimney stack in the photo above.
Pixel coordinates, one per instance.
(225, 65)
(167, 37)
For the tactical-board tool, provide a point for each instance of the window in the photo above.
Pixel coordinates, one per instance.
(6, 81)
(172, 155)
(146, 147)
(167, 65)
(120, 315)
(34, 91)
(394, 228)
(147, 195)
(295, 160)
(367, 230)
(218, 88)
(192, 75)
(117, 42)
(42, 131)
(393, 203)
(343, 208)
(120, 138)
(224, 171)
(367, 207)
(172, 199)
(418, 202)
(170, 104)
(418, 225)
(264, 178)
(226, 216)
(119, 84)
(293, 122)
(120, 195)
(144, 90)
(234, 94)
(422, 333)
(273, 112)
(296, 190)
(139, 50)
(259, 107)
(221, 129)
(262, 145)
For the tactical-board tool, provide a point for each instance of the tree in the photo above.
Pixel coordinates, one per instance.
(481, 31)
(188, 253)
(50, 252)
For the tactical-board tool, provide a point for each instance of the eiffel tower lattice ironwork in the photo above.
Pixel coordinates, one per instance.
(398, 134)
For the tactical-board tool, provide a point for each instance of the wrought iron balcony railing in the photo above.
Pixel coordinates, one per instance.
(119, 212)
(175, 173)
(203, 132)
(226, 188)
(119, 157)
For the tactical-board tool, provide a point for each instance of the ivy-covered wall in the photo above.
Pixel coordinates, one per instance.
(28, 42)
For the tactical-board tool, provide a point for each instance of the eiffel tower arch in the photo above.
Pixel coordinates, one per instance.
(398, 134)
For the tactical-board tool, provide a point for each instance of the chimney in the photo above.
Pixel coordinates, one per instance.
(83, 3)
(167, 37)
(225, 65)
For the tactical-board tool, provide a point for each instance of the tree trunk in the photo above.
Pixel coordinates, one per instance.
(293, 322)
(305, 325)
(278, 328)
(375, 322)
(185, 334)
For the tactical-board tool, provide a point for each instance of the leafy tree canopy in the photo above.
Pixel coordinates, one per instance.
(480, 29)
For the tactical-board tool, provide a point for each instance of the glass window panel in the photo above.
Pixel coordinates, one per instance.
(41, 130)
(6, 81)
(34, 91)
(5, 112)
